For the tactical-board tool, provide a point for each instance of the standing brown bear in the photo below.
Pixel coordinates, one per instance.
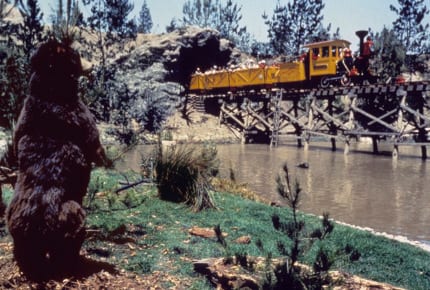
(56, 141)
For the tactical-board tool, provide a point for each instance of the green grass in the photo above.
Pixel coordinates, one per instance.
(166, 243)
(146, 234)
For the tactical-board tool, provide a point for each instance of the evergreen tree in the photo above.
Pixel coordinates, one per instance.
(224, 18)
(109, 19)
(110, 16)
(13, 90)
(145, 19)
(293, 25)
(202, 13)
(229, 28)
(230, 16)
(323, 33)
(117, 13)
(278, 30)
(30, 31)
(409, 27)
(389, 53)
(172, 25)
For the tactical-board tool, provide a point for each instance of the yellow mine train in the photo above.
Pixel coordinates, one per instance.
(319, 66)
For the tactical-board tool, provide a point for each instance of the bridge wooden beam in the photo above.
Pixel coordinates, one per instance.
(374, 118)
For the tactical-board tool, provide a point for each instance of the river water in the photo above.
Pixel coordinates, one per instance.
(360, 188)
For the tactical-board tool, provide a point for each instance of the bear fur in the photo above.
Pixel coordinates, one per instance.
(55, 141)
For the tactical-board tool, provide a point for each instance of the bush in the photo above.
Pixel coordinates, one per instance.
(183, 174)
(290, 275)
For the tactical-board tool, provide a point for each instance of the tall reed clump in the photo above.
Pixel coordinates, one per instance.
(184, 173)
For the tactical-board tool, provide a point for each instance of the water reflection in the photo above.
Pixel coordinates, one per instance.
(360, 188)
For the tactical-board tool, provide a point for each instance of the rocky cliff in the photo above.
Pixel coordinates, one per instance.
(161, 65)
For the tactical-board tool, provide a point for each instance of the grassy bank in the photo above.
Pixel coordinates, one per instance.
(136, 231)
(163, 243)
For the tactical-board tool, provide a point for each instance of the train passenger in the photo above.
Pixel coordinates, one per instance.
(347, 58)
(368, 48)
(262, 63)
(366, 55)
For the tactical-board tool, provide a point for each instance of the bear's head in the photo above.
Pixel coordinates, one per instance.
(55, 69)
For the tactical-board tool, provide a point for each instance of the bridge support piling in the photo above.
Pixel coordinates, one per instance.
(423, 152)
(346, 148)
(395, 153)
(375, 144)
(297, 126)
(333, 144)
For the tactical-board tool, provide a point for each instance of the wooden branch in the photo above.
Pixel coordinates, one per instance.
(145, 180)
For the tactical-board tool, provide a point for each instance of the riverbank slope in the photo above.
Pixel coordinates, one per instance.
(139, 241)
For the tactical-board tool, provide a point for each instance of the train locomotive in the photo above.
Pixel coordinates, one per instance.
(326, 63)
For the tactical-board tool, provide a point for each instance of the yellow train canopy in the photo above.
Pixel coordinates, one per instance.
(335, 42)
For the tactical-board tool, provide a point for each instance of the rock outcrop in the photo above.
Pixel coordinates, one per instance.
(165, 62)
(160, 67)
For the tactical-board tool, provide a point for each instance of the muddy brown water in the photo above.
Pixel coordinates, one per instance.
(362, 189)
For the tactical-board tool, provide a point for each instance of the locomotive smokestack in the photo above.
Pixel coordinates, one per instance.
(361, 34)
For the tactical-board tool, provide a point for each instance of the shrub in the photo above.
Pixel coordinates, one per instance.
(290, 275)
(183, 174)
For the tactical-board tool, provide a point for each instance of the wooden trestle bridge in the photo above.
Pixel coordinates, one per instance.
(396, 113)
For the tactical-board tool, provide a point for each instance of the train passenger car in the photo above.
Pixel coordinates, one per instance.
(318, 66)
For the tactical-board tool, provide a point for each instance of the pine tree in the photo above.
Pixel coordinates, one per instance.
(145, 19)
(117, 12)
(389, 53)
(229, 28)
(202, 13)
(172, 25)
(110, 16)
(13, 89)
(30, 31)
(109, 19)
(230, 17)
(223, 18)
(278, 30)
(409, 27)
(293, 25)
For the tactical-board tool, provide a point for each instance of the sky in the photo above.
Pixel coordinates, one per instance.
(348, 15)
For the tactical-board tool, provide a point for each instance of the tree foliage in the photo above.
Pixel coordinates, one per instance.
(229, 27)
(389, 54)
(12, 89)
(145, 19)
(202, 13)
(409, 26)
(15, 50)
(152, 110)
(293, 25)
(109, 19)
(224, 18)
(30, 32)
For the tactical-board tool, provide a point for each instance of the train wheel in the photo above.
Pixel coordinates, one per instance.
(325, 82)
(345, 80)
